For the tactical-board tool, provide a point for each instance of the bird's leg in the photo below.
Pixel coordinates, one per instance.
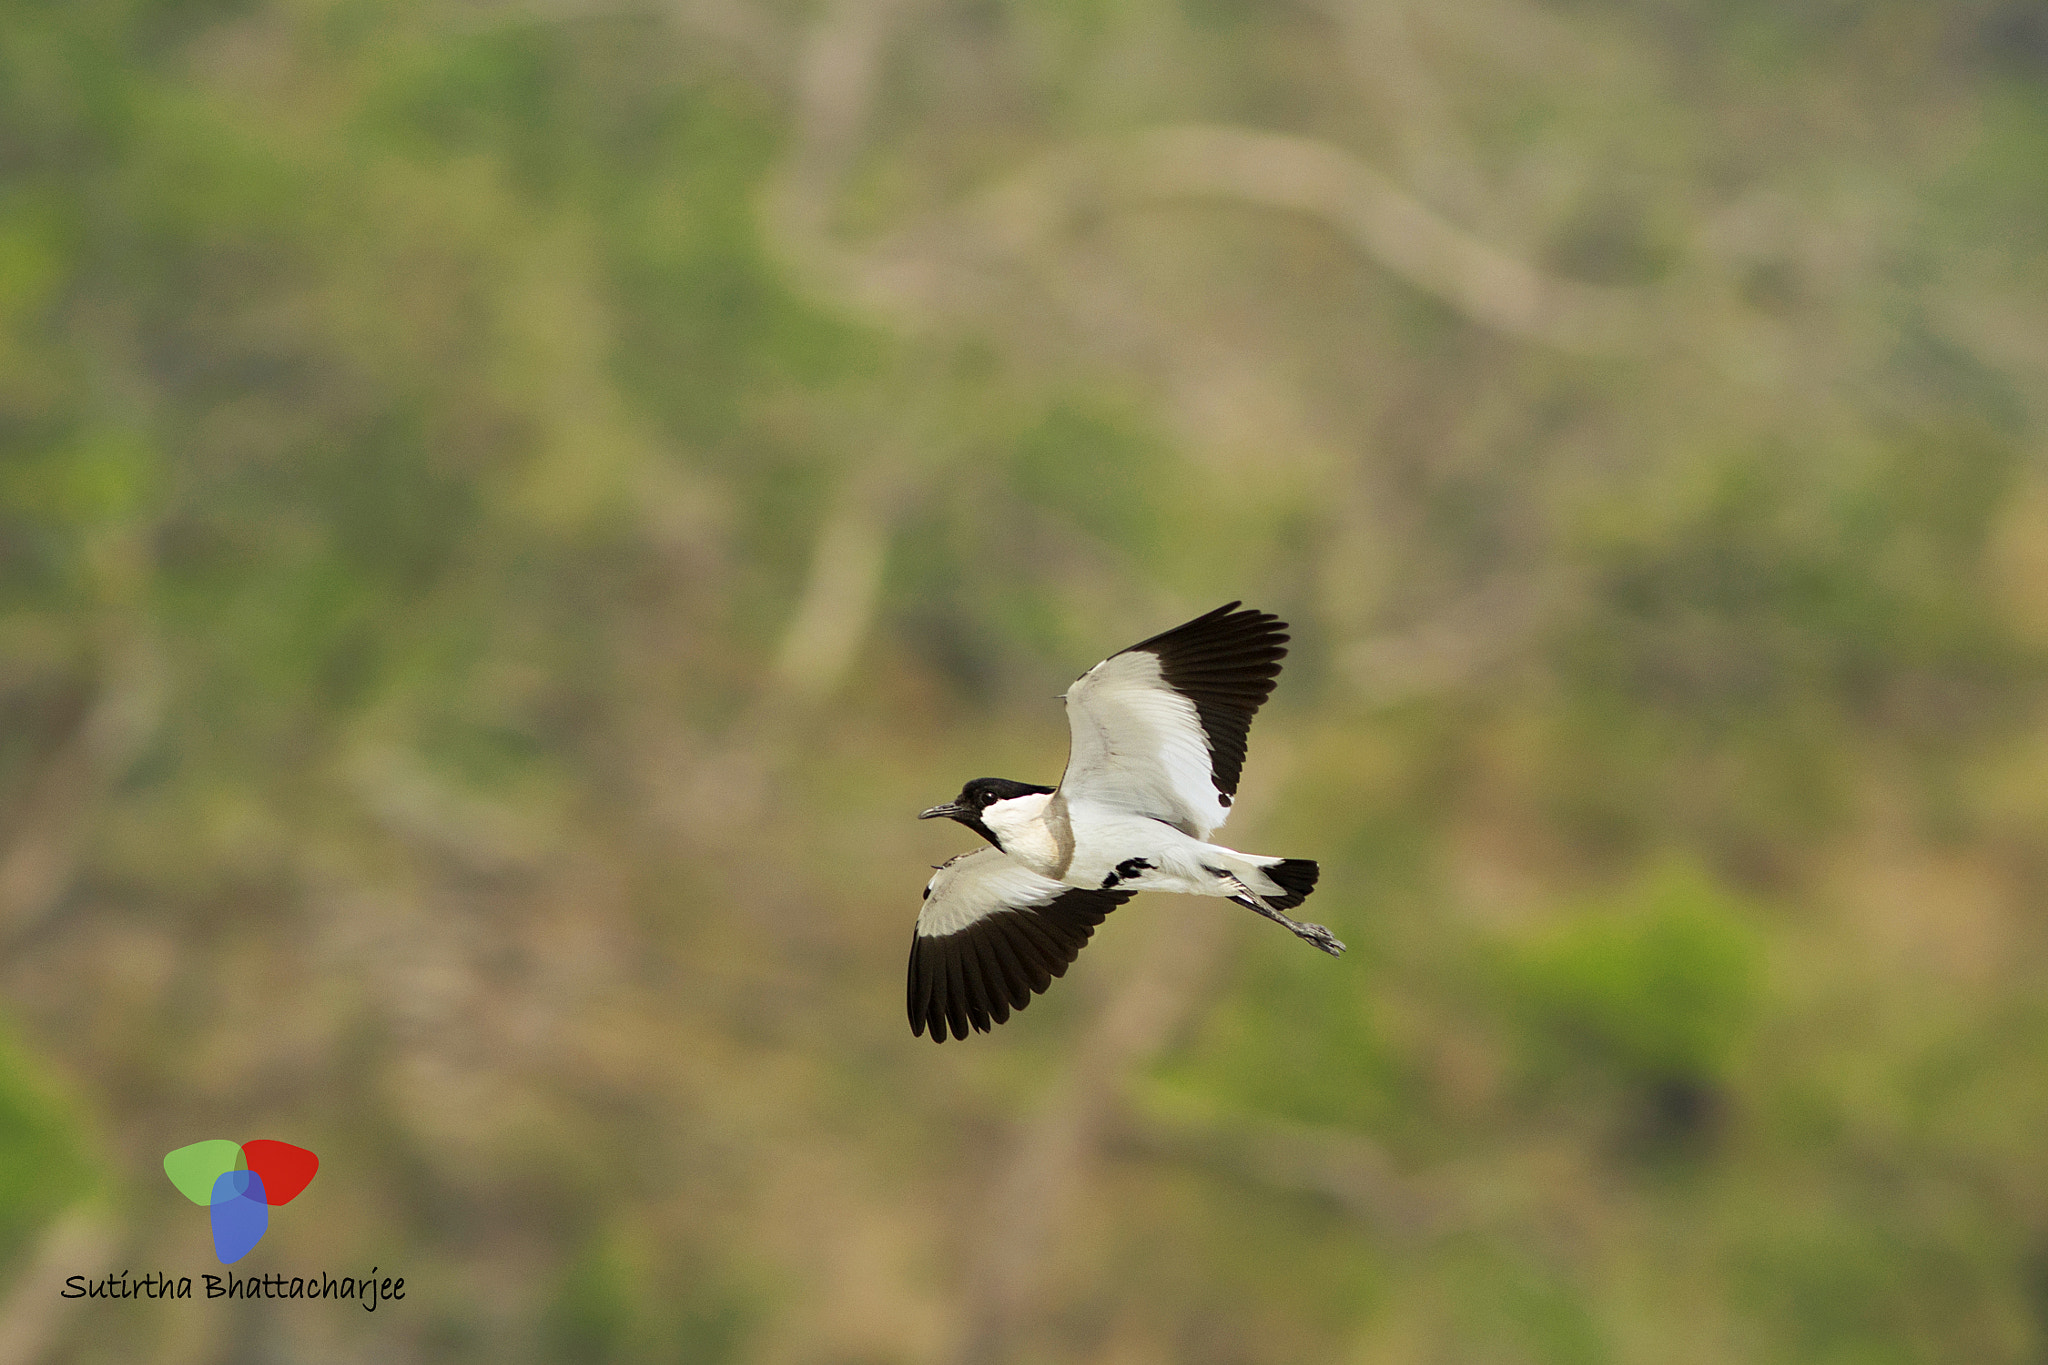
(1249, 899)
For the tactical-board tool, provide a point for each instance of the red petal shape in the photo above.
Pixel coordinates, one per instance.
(285, 1169)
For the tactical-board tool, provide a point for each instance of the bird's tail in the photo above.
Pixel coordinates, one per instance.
(1296, 878)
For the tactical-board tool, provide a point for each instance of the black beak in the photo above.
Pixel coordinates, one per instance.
(952, 810)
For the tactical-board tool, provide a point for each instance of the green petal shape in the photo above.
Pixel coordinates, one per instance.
(193, 1169)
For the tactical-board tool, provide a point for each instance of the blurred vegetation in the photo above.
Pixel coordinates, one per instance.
(46, 1154)
(507, 507)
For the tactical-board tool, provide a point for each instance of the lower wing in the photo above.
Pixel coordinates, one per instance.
(992, 934)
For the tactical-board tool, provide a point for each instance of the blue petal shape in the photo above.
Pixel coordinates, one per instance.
(241, 1215)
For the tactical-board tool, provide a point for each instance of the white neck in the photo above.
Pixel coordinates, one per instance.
(1020, 824)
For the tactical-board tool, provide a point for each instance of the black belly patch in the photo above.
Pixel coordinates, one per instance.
(1126, 871)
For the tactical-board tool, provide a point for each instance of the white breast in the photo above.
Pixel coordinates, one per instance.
(1020, 824)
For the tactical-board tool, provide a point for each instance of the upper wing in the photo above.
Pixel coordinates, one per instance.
(992, 933)
(1159, 729)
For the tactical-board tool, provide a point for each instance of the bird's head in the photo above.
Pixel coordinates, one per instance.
(976, 797)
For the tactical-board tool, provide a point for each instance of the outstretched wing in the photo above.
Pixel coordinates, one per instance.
(991, 935)
(1160, 728)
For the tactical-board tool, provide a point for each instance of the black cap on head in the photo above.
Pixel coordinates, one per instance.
(977, 796)
(984, 792)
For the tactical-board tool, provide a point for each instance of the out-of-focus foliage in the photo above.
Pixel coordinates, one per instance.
(46, 1153)
(1658, 994)
(507, 507)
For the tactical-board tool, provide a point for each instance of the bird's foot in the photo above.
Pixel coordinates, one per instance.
(1318, 935)
(1311, 933)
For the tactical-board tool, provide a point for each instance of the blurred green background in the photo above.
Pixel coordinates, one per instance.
(508, 507)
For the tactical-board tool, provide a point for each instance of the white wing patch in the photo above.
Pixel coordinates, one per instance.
(992, 934)
(976, 885)
(1138, 746)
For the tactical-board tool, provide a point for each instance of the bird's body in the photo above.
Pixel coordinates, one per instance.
(1090, 844)
(1158, 741)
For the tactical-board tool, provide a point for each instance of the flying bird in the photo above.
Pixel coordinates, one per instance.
(1157, 743)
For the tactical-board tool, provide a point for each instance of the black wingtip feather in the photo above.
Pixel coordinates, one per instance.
(913, 989)
(975, 978)
(1226, 662)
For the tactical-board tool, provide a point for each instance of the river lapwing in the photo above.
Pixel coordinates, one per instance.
(1158, 737)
